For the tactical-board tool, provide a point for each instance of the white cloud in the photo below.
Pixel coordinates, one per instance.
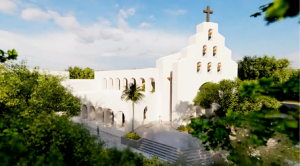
(7, 6)
(68, 22)
(35, 14)
(123, 14)
(104, 21)
(152, 17)
(116, 5)
(175, 12)
(144, 25)
(126, 13)
(77, 45)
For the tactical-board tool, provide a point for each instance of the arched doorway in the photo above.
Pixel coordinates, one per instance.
(92, 113)
(84, 112)
(109, 117)
(207, 109)
(100, 115)
(120, 119)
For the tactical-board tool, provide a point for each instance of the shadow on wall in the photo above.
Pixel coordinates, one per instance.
(185, 110)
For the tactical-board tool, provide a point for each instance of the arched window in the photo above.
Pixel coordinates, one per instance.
(142, 83)
(204, 50)
(219, 69)
(110, 84)
(210, 33)
(209, 67)
(117, 84)
(132, 81)
(152, 85)
(214, 51)
(104, 83)
(198, 67)
(124, 84)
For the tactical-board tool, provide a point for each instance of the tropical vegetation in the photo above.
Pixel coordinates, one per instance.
(79, 73)
(249, 116)
(134, 94)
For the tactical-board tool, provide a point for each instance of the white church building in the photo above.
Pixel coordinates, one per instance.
(170, 87)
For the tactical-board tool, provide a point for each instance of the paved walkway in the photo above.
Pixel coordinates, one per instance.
(165, 134)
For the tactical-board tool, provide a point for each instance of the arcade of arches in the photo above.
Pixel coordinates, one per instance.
(106, 117)
(100, 116)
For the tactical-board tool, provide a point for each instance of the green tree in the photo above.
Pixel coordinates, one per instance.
(12, 54)
(134, 94)
(24, 93)
(279, 10)
(79, 73)
(254, 68)
(227, 97)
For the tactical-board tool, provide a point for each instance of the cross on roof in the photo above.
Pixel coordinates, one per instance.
(207, 11)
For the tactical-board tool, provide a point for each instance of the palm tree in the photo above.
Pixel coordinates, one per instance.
(133, 93)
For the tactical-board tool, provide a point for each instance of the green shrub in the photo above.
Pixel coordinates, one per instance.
(181, 128)
(132, 135)
(186, 128)
(154, 161)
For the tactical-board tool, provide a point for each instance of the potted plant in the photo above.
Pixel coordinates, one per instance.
(131, 139)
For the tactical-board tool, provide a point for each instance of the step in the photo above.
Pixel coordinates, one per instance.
(153, 150)
(175, 156)
(159, 155)
(171, 154)
(146, 144)
(160, 144)
(198, 156)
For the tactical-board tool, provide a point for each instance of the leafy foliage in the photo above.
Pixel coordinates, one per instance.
(12, 55)
(132, 135)
(227, 96)
(278, 10)
(154, 161)
(247, 118)
(133, 94)
(186, 128)
(24, 93)
(254, 68)
(79, 73)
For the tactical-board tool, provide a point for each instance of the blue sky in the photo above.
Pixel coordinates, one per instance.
(104, 35)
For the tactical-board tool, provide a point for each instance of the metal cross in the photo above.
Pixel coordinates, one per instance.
(207, 11)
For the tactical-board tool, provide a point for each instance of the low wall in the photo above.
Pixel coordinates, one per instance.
(111, 129)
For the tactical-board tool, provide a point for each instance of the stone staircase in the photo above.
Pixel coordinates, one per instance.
(171, 154)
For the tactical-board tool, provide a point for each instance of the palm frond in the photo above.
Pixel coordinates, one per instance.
(133, 93)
